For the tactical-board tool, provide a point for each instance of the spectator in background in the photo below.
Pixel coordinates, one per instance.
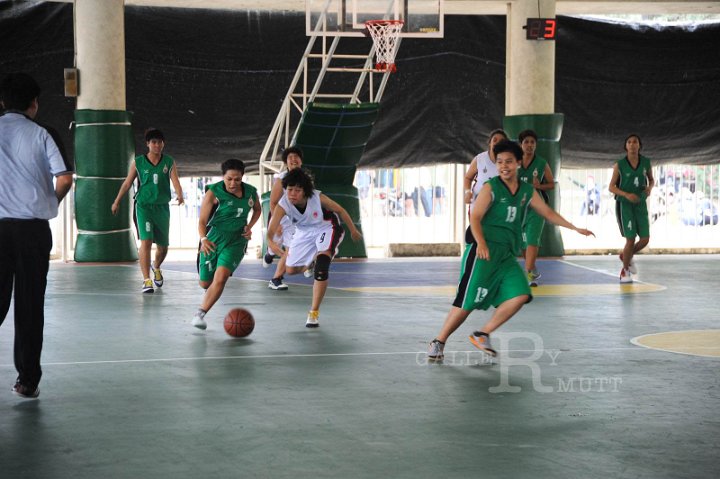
(591, 204)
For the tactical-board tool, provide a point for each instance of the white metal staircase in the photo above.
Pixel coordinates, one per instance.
(322, 49)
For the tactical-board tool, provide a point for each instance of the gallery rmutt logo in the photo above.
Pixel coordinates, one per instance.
(511, 359)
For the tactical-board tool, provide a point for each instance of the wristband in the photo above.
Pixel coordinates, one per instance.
(468, 191)
(203, 239)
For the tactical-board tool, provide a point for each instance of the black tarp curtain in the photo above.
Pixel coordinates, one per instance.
(214, 82)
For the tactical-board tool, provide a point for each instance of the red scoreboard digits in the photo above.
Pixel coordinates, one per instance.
(541, 28)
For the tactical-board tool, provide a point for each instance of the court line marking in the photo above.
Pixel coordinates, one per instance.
(321, 355)
(636, 341)
(606, 273)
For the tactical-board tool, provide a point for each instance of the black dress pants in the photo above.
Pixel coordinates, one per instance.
(24, 262)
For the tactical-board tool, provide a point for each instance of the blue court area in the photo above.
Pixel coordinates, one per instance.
(404, 272)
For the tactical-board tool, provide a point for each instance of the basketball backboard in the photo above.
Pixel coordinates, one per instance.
(423, 18)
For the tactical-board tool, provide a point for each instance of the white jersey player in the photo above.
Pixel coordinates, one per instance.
(318, 233)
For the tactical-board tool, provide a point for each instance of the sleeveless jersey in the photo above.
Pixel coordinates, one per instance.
(154, 180)
(313, 216)
(536, 169)
(633, 180)
(503, 221)
(486, 169)
(232, 212)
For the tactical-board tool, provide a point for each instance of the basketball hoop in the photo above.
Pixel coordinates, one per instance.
(385, 34)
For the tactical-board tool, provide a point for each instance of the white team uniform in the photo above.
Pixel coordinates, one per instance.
(288, 229)
(316, 230)
(486, 169)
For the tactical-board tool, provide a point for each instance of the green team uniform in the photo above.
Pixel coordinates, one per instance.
(152, 212)
(225, 229)
(485, 283)
(532, 230)
(633, 218)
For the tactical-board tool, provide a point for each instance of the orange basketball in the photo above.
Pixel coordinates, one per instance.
(239, 323)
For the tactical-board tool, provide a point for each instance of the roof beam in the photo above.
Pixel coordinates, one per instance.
(472, 7)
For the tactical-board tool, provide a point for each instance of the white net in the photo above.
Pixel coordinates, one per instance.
(385, 34)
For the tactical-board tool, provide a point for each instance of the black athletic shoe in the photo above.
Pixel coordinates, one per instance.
(24, 391)
(268, 260)
(277, 284)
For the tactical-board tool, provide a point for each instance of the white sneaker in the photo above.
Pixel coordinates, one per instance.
(435, 350)
(631, 267)
(312, 319)
(277, 284)
(625, 276)
(198, 320)
(308, 273)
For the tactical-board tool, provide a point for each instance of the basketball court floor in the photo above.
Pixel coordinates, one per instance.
(593, 379)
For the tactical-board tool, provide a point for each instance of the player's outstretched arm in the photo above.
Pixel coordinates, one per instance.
(329, 204)
(277, 214)
(553, 216)
(132, 174)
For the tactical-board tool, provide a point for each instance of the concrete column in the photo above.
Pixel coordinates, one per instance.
(530, 98)
(100, 44)
(103, 133)
(530, 64)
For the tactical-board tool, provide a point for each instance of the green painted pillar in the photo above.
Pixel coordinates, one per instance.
(549, 130)
(104, 148)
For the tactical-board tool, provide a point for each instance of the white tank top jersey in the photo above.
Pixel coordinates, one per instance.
(312, 216)
(486, 170)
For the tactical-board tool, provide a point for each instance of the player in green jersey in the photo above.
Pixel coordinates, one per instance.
(154, 172)
(631, 183)
(490, 274)
(224, 232)
(535, 171)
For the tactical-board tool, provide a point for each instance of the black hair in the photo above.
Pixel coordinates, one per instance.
(291, 149)
(18, 90)
(496, 131)
(232, 164)
(507, 145)
(302, 178)
(154, 134)
(630, 136)
(526, 133)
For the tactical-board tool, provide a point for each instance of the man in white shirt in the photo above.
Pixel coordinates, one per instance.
(29, 159)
